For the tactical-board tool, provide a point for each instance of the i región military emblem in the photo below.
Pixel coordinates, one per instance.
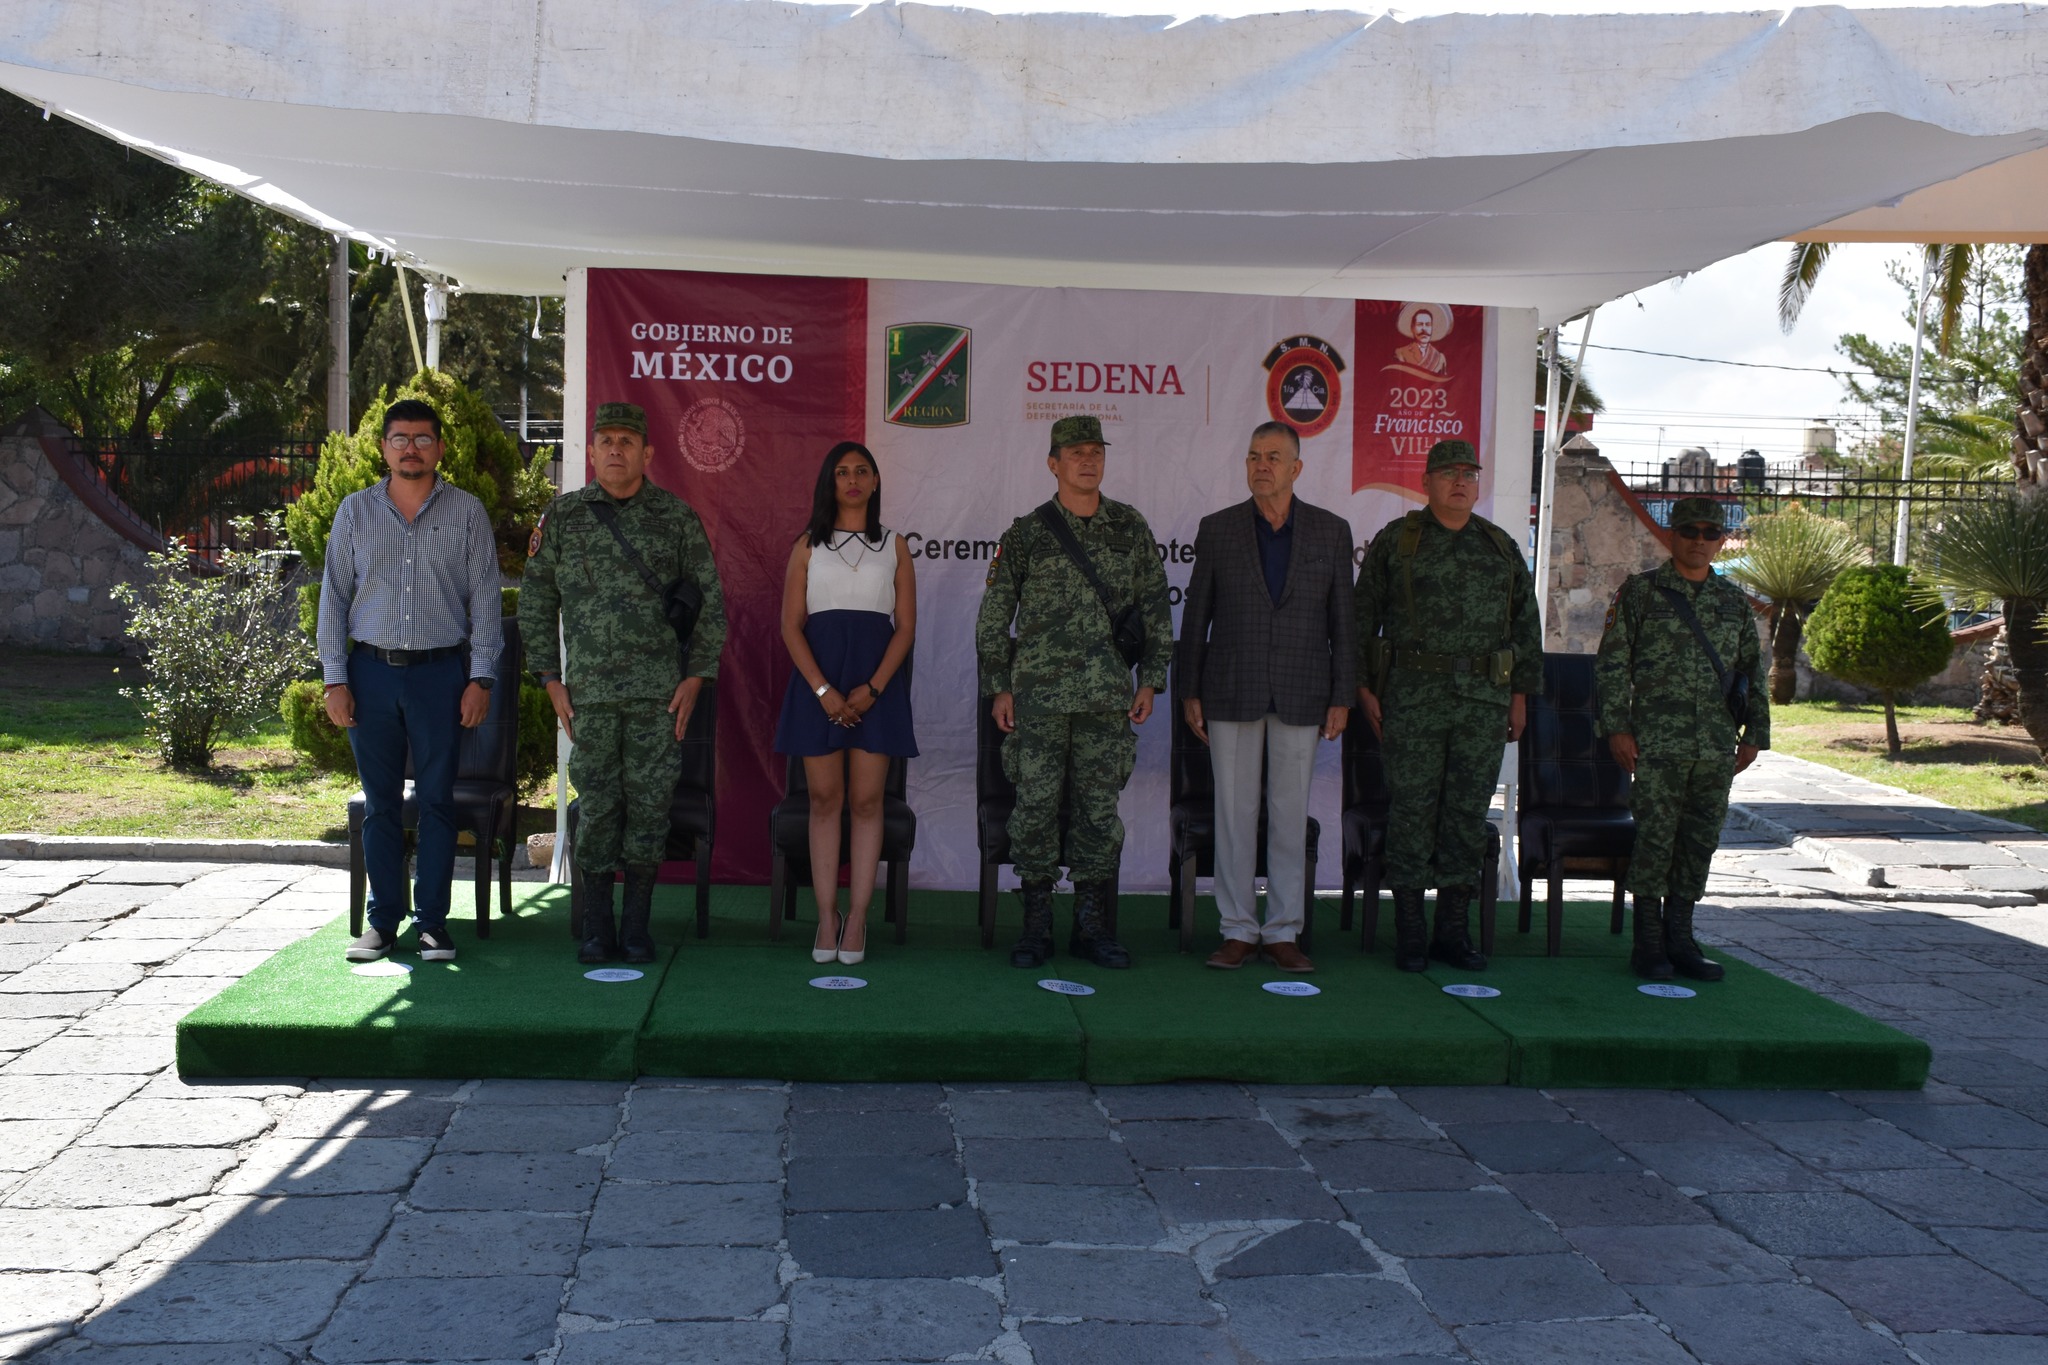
(1305, 384)
(925, 368)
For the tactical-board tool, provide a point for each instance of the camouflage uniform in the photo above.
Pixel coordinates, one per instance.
(1072, 690)
(623, 666)
(1656, 684)
(1444, 732)
(1444, 695)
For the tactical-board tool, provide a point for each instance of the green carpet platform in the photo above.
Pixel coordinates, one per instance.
(940, 1007)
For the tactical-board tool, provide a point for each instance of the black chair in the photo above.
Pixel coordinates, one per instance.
(789, 834)
(1365, 837)
(995, 796)
(486, 796)
(1573, 807)
(1191, 831)
(692, 813)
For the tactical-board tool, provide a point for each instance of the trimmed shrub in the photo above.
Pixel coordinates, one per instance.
(1875, 629)
(218, 648)
(304, 707)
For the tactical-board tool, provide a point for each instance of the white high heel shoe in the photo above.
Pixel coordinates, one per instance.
(853, 956)
(827, 954)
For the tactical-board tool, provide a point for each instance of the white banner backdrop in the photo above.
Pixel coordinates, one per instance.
(1179, 381)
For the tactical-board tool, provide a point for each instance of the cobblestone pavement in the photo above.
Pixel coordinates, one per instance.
(152, 1222)
(1889, 844)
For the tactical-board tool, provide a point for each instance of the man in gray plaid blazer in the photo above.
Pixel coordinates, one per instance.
(1264, 666)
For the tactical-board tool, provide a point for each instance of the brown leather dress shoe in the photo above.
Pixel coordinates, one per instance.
(1289, 958)
(1233, 954)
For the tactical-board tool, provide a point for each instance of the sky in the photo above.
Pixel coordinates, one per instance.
(1728, 311)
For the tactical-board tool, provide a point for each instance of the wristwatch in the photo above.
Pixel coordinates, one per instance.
(820, 690)
(485, 683)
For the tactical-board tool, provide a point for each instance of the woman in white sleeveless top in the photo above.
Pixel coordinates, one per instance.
(849, 610)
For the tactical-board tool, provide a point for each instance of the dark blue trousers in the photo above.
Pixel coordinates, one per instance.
(419, 707)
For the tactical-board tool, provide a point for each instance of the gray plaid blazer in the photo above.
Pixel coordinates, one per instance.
(1241, 654)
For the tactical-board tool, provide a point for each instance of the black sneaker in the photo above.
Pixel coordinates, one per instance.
(435, 945)
(373, 944)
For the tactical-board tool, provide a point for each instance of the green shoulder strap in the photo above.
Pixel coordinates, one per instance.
(1409, 546)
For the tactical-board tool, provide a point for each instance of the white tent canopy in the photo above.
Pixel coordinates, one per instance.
(1523, 160)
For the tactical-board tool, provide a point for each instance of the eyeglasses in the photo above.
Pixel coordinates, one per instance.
(1701, 532)
(423, 442)
(1460, 474)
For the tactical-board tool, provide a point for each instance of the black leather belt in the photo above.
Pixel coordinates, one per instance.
(406, 658)
(1441, 663)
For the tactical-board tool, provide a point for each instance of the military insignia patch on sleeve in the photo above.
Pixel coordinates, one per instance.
(993, 560)
(533, 541)
(1613, 606)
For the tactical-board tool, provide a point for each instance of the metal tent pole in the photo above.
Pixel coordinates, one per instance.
(337, 337)
(1899, 532)
(1547, 486)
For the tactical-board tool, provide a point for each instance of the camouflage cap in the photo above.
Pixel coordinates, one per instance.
(631, 416)
(1072, 431)
(1449, 454)
(1695, 511)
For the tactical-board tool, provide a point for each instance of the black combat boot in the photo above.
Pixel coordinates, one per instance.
(1452, 941)
(1647, 959)
(1411, 952)
(1034, 947)
(600, 932)
(1091, 938)
(634, 936)
(1681, 947)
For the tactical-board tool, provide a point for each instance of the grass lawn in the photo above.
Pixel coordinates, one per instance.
(74, 760)
(1947, 755)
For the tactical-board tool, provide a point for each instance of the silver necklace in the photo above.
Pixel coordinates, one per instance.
(852, 565)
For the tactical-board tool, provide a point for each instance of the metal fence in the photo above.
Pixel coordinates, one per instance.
(1867, 502)
(190, 491)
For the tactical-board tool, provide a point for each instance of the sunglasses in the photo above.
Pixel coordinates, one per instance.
(1701, 532)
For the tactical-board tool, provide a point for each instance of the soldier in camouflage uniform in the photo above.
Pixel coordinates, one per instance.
(1062, 691)
(1667, 723)
(1449, 651)
(626, 693)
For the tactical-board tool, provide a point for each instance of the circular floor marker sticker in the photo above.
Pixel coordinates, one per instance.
(1667, 992)
(613, 974)
(1471, 991)
(1059, 987)
(386, 967)
(1292, 988)
(837, 983)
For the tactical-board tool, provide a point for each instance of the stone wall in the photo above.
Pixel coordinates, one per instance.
(58, 559)
(1597, 539)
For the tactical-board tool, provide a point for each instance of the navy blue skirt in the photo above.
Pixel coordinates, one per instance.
(848, 646)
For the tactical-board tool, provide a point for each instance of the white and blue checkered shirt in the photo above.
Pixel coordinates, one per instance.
(423, 584)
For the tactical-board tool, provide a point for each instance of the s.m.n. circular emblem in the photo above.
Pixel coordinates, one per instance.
(712, 435)
(1305, 384)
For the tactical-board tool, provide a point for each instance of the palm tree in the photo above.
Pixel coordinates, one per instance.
(1788, 559)
(1585, 404)
(2030, 423)
(1997, 550)
(1952, 264)
(1951, 261)
(1965, 445)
